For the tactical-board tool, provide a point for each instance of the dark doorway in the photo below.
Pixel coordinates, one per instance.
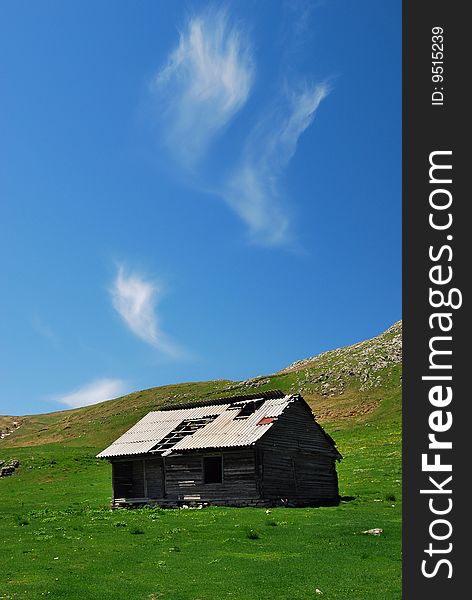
(123, 479)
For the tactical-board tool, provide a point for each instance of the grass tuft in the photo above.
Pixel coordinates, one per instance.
(252, 534)
(136, 531)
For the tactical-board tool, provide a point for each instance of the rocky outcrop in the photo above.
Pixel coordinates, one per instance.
(9, 469)
(9, 427)
(365, 363)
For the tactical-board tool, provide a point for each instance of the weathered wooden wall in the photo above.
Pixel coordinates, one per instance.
(299, 477)
(121, 479)
(298, 460)
(293, 461)
(184, 477)
(154, 478)
(138, 478)
(296, 429)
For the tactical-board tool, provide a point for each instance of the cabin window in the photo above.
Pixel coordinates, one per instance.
(213, 469)
(246, 409)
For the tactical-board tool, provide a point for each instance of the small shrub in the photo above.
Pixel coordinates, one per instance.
(252, 534)
(390, 497)
(173, 531)
(120, 524)
(272, 523)
(136, 531)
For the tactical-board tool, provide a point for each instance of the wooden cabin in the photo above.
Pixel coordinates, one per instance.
(260, 450)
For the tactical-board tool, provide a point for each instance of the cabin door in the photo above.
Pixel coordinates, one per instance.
(154, 478)
(122, 479)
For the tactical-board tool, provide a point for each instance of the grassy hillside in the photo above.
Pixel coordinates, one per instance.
(60, 540)
(343, 387)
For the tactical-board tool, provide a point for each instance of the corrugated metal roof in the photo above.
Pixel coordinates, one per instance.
(225, 400)
(224, 431)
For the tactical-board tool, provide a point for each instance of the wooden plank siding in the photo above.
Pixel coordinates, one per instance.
(298, 459)
(296, 429)
(299, 477)
(128, 479)
(154, 478)
(184, 476)
(293, 463)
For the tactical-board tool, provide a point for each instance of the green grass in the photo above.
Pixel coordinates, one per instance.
(59, 540)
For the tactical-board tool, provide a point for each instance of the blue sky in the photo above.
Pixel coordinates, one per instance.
(193, 191)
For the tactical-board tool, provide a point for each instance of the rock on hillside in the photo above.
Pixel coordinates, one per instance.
(388, 344)
(366, 362)
(8, 425)
(365, 366)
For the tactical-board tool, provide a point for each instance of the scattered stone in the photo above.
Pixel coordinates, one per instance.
(374, 531)
(9, 429)
(330, 373)
(9, 469)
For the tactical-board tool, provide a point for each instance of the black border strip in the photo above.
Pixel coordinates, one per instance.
(428, 128)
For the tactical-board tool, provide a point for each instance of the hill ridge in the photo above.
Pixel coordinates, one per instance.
(351, 382)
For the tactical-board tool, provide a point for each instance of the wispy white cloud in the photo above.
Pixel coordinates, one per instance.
(93, 392)
(205, 82)
(253, 189)
(135, 300)
(301, 12)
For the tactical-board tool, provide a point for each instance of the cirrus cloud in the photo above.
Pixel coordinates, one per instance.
(135, 299)
(205, 82)
(253, 190)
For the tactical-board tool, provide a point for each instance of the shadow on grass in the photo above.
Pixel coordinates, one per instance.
(347, 498)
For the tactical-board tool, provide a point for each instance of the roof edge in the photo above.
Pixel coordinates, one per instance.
(260, 395)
